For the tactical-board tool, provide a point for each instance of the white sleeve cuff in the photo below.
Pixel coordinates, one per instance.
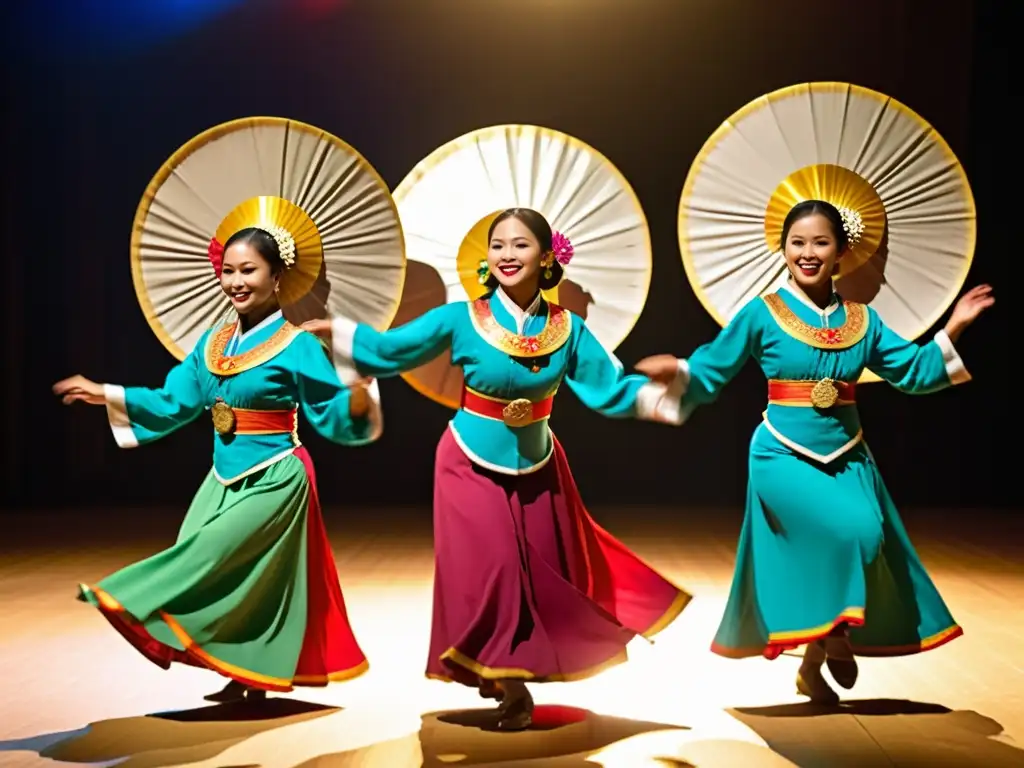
(955, 368)
(343, 332)
(117, 415)
(661, 403)
(374, 414)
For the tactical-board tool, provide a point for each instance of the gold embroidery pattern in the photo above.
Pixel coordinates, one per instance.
(223, 417)
(843, 337)
(220, 365)
(824, 394)
(552, 336)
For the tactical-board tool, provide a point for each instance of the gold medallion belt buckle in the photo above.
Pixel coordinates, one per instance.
(223, 418)
(824, 394)
(518, 413)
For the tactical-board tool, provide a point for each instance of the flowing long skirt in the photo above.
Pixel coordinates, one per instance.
(823, 545)
(249, 590)
(526, 584)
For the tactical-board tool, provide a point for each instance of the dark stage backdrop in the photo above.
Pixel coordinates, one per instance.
(94, 109)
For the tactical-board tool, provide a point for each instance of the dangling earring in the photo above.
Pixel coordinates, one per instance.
(548, 265)
(277, 287)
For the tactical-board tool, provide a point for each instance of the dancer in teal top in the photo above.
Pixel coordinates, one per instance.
(271, 367)
(483, 336)
(250, 588)
(823, 557)
(527, 587)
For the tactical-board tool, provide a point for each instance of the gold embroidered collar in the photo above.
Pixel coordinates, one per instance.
(221, 365)
(553, 335)
(843, 337)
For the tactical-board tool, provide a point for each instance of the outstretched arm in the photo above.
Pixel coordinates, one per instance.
(699, 379)
(358, 350)
(596, 376)
(915, 368)
(922, 368)
(139, 415)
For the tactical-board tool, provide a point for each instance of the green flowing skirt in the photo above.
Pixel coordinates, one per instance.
(249, 590)
(823, 545)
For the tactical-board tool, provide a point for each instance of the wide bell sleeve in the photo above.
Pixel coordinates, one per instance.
(359, 350)
(139, 415)
(325, 401)
(914, 368)
(597, 378)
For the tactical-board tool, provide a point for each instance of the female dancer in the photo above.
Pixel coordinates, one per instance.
(830, 566)
(250, 588)
(526, 587)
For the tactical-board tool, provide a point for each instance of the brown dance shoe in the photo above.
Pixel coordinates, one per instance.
(840, 661)
(230, 693)
(515, 713)
(809, 680)
(490, 689)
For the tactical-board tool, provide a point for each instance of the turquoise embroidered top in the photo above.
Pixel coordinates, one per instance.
(505, 353)
(792, 339)
(272, 367)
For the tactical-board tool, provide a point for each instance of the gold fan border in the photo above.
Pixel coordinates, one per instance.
(192, 146)
(436, 156)
(820, 87)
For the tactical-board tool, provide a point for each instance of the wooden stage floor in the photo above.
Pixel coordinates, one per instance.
(74, 693)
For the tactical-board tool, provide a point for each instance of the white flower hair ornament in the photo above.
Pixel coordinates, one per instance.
(853, 224)
(285, 243)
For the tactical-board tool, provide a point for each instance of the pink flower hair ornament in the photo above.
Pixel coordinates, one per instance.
(562, 248)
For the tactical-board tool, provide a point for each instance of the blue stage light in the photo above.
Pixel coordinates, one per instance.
(74, 26)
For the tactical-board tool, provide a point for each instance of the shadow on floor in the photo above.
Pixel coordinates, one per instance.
(880, 732)
(562, 737)
(168, 738)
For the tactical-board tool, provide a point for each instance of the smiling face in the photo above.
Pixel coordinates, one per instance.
(514, 255)
(812, 251)
(247, 279)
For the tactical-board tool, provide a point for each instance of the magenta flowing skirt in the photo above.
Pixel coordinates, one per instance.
(526, 584)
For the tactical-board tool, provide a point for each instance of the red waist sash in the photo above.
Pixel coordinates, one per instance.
(515, 413)
(825, 393)
(244, 421)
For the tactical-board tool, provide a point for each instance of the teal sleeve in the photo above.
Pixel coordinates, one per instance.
(715, 364)
(909, 367)
(596, 377)
(324, 400)
(139, 415)
(389, 353)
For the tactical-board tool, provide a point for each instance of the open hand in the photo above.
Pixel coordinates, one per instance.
(321, 328)
(968, 308)
(660, 368)
(77, 388)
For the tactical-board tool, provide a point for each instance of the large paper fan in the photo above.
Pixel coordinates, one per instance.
(448, 200)
(855, 148)
(349, 243)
